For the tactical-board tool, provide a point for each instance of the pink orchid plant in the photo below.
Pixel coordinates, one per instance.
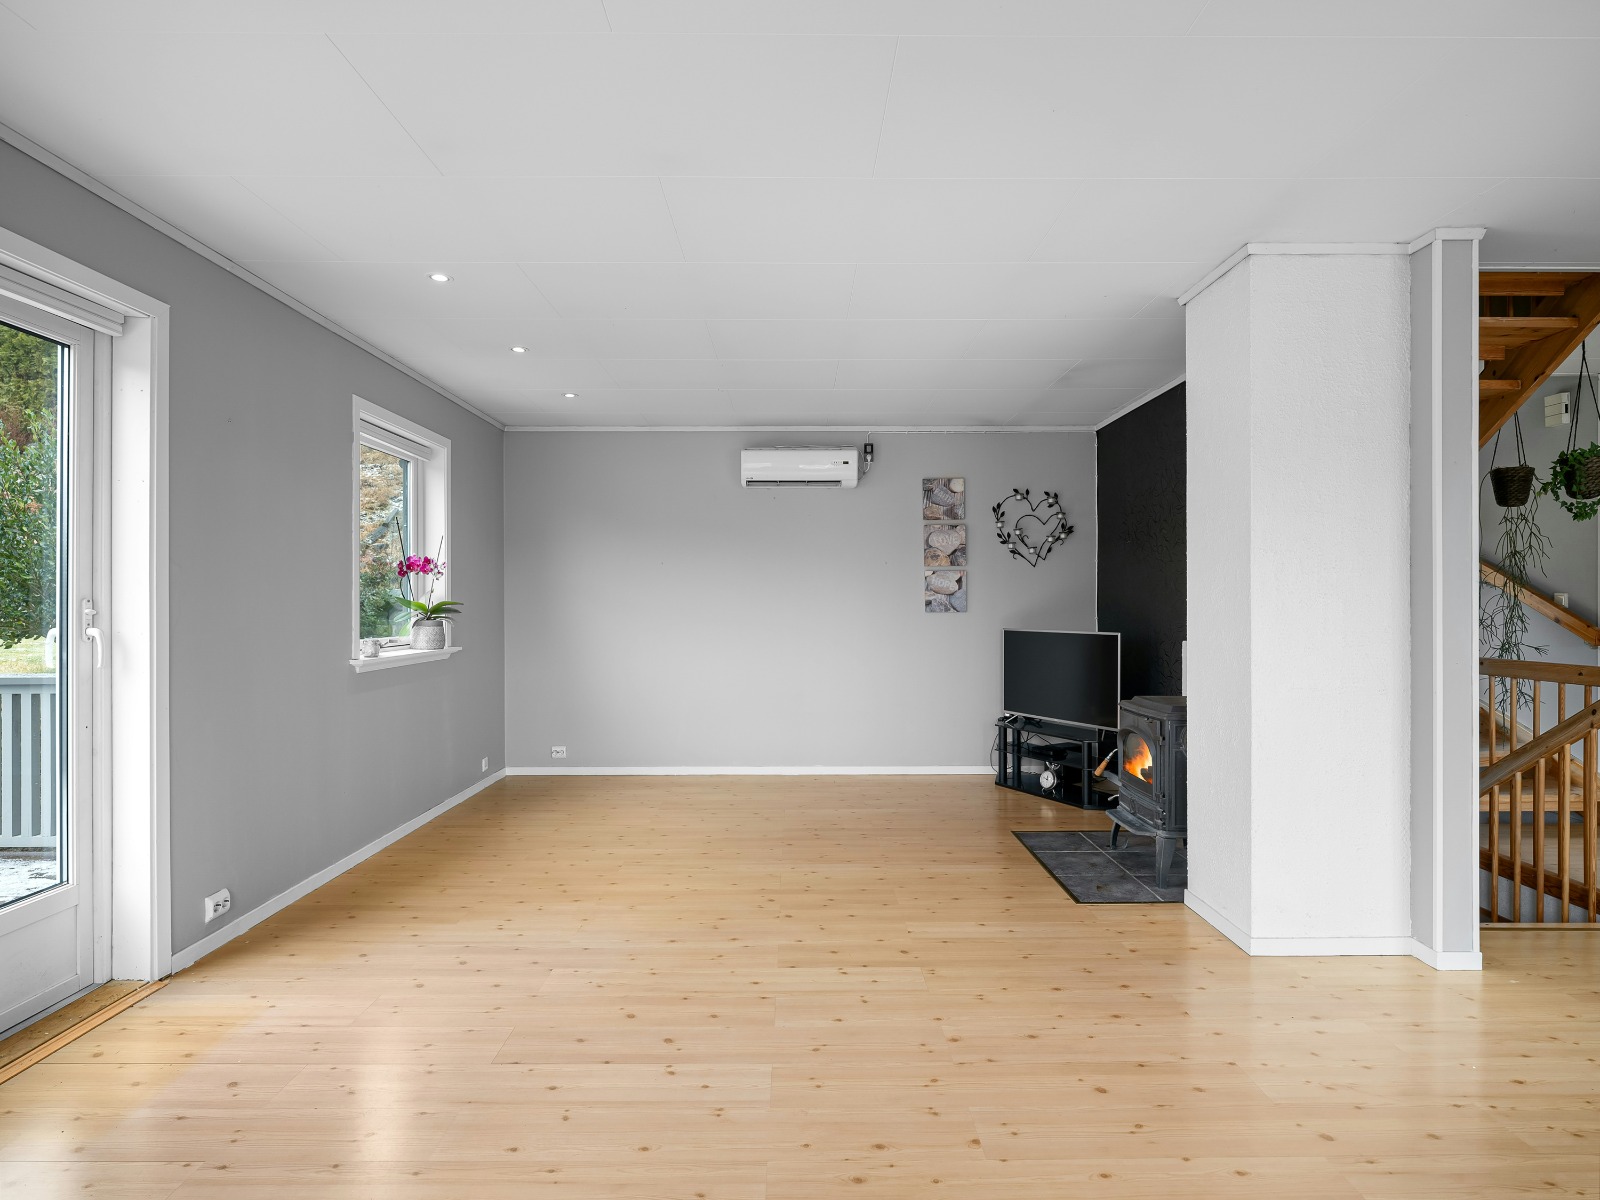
(410, 571)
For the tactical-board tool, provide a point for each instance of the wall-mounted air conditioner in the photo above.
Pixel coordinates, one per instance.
(799, 466)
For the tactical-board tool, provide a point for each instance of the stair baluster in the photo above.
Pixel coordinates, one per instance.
(1527, 785)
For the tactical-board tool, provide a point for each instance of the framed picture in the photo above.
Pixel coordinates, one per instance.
(944, 498)
(944, 591)
(944, 545)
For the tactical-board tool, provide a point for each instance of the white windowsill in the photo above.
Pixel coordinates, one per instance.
(400, 656)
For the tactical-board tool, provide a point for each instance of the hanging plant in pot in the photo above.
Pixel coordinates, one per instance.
(1575, 474)
(1520, 552)
(1512, 485)
(428, 626)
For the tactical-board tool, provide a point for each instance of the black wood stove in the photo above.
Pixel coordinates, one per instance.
(1153, 775)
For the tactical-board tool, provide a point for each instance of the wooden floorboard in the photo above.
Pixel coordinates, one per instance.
(797, 989)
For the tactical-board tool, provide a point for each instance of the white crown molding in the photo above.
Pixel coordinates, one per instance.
(1447, 233)
(1252, 248)
(110, 195)
(1471, 233)
(801, 428)
(1539, 266)
(513, 771)
(1142, 400)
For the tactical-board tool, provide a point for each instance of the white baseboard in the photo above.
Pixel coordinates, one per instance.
(749, 770)
(1217, 921)
(1330, 947)
(1447, 960)
(194, 952)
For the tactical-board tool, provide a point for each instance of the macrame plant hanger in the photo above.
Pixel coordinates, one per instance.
(1583, 481)
(1512, 485)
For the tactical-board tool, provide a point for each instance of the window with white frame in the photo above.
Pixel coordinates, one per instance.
(402, 510)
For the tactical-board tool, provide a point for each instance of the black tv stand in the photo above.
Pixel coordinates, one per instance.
(1028, 745)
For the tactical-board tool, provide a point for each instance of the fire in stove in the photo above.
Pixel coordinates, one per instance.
(1153, 801)
(1137, 762)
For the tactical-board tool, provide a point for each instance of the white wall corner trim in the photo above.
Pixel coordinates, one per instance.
(1141, 401)
(749, 771)
(84, 180)
(777, 429)
(194, 952)
(1251, 248)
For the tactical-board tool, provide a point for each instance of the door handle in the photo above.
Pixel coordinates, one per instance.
(92, 634)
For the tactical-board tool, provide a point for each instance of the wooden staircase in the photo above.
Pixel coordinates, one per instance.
(1539, 794)
(1529, 323)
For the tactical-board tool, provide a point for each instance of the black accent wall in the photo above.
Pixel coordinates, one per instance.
(1143, 589)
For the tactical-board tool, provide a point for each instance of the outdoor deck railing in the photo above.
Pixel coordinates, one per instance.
(28, 760)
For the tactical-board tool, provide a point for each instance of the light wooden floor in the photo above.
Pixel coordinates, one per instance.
(734, 989)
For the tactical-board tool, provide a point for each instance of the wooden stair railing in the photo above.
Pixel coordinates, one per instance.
(1555, 862)
(1491, 723)
(1573, 729)
(1543, 672)
(1529, 322)
(1544, 605)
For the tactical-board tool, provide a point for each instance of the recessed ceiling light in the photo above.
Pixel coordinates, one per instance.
(519, 349)
(439, 277)
(569, 395)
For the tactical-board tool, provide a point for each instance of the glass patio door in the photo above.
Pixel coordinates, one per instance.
(51, 652)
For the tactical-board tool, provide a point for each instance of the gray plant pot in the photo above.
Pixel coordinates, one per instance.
(427, 635)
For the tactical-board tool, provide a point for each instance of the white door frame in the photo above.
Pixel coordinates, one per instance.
(131, 387)
(58, 931)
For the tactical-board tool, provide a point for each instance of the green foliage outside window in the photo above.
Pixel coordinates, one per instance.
(385, 500)
(29, 435)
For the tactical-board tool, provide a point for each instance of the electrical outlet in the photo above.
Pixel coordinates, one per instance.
(218, 903)
(486, 764)
(558, 751)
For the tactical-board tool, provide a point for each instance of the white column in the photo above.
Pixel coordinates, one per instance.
(1444, 598)
(1300, 729)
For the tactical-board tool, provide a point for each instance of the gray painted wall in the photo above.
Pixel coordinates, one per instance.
(660, 616)
(283, 759)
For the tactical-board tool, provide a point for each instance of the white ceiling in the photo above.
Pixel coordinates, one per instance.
(808, 212)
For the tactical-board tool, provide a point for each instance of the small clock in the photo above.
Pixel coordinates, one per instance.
(1048, 780)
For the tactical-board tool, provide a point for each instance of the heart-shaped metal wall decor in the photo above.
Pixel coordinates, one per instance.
(1031, 528)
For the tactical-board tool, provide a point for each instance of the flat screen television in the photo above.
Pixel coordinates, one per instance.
(1074, 678)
